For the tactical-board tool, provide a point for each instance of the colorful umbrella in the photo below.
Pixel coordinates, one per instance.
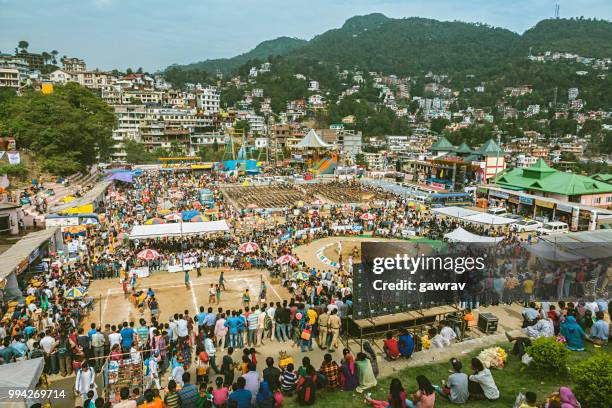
(155, 221)
(411, 204)
(199, 218)
(248, 247)
(211, 211)
(368, 216)
(164, 211)
(197, 205)
(148, 255)
(89, 221)
(300, 275)
(77, 292)
(75, 230)
(285, 259)
(173, 217)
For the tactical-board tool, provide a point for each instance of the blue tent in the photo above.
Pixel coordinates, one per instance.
(188, 215)
(249, 166)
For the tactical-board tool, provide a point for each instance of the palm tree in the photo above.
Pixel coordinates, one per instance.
(23, 45)
(46, 57)
(54, 54)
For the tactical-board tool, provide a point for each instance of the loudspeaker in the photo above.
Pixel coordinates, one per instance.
(487, 322)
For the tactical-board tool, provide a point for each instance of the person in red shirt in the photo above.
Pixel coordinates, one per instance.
(391, 347)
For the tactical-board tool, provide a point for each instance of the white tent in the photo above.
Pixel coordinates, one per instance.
(457, 212)
(178, 229)
(312, 141)
(550, 252)
(21, 375)
(461, 235)
(486, 218)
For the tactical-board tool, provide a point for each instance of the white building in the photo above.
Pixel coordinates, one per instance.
(313, 86)
(9, 78)
(374, 160)
(572, 94)
(261, 142)
(73, 64)
(208, 100)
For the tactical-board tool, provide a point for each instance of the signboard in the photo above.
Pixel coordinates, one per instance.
(499, 194)
(526, 200)
(565, 208)
(544, 204)
(61, 222)
(142, 272)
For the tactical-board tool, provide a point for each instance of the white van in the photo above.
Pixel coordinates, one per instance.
(554, 227)
(499, 211)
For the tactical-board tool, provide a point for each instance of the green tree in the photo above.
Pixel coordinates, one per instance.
(136, 153)
(438, 124)
(23, 45)
(54, 55)
(71, 128)
(241, 125)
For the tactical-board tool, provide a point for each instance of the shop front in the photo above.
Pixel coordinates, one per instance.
(526, 206)
(564, 213)
(545, 210)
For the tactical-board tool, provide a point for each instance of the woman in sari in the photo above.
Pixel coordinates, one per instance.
(348, 373)
(365, 373)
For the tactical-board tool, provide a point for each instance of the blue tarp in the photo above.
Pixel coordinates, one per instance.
(250, 166)
(188, 215)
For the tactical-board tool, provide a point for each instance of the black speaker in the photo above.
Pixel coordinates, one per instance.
(487, 322)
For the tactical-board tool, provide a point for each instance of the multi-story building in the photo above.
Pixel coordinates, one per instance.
(36, 62)
(374, 161)
(199, 140)
(349, 142)
(89, 79)
(10, 78)
(208, 100)
(73, 64)
(313, 86)
(13, 62)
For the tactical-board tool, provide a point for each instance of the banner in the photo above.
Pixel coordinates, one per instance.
(544, 204)
(526, 200)
(142, 272)
(13, 158)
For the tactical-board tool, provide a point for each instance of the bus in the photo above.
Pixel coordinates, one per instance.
(449, 199)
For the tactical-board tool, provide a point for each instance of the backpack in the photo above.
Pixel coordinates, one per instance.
(267, 323)
(307, 392)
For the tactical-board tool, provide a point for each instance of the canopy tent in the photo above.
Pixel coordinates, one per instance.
(550, 252)
(486, 218)
(22, 375)
(248, 166)
(458, 212)
(312, 141)
(461, 235)
(125, 176)
(89, 199)
(587, 244)
(177, 229)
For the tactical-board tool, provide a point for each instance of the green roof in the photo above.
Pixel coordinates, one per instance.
(605, 177)
(442, 145)
(542, 177)
(464, 149)
(490, 148)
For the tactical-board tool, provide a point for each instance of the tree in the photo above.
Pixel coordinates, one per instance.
(46, 56)
(242, 125)
(136, 153)
(23, 45)
(439, 124)
(54, 55)
(71, 128)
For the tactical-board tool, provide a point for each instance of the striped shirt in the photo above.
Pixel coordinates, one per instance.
(288, 380)
(252, 320)
(172, 400)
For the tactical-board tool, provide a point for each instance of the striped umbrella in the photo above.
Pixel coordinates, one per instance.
(173, 217)
(368, 216)
(300, 275)
(155, 221)
(248, 247)
(77, 292)
(199, 218)
(285, 259)
(148, 255)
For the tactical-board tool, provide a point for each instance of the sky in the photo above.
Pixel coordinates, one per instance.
(153, 34)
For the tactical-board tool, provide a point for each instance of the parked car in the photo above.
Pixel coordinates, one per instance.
(500, 211)
(526, 226)
(554, 227)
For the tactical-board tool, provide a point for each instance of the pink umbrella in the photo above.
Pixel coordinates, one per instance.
(248, 247)
(368, 216)
(173, 217)
(285, 259)
(148, 255)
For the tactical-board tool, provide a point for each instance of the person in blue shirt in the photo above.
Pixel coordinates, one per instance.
(405, 344)
(211, 319)
(232, 323)
(241, 327)
(7, 353)
(29, 332)
(600, 331)
(20, 347)
(127, 337)
(201, 317)
(241, 397)
(92, 331)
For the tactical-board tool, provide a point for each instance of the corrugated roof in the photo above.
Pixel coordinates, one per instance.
(442, 145)
(88, 198)
(490, 148)
(15, 255)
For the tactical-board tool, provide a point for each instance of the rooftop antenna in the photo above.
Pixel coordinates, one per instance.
(557, 7)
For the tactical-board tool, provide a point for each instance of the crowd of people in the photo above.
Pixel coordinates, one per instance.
(48, 321)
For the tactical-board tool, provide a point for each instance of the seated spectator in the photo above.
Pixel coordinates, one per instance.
(307, 387)
(331, 371)
(265, 397)
(241, 397)
(395, 399)
(364, 373)
(425, 397)
(529, 401)
(600, 331)
(271, 374)
(437, 340)
(288, 380)
(530, 315)
(573, 333)
(126, 402)
(220, 394)
(447, 332)
(172, 398)
(469, 317)
(390, 347)
(405, 343)
(564, 399)
(348, 374)
(481, 384)
(456, 387)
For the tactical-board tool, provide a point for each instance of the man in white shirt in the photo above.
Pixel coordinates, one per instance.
(182, 328)
(114, 337)
(437, 340)
(447, 332)
(209, 347)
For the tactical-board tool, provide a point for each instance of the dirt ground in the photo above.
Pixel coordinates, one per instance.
(112, 306)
